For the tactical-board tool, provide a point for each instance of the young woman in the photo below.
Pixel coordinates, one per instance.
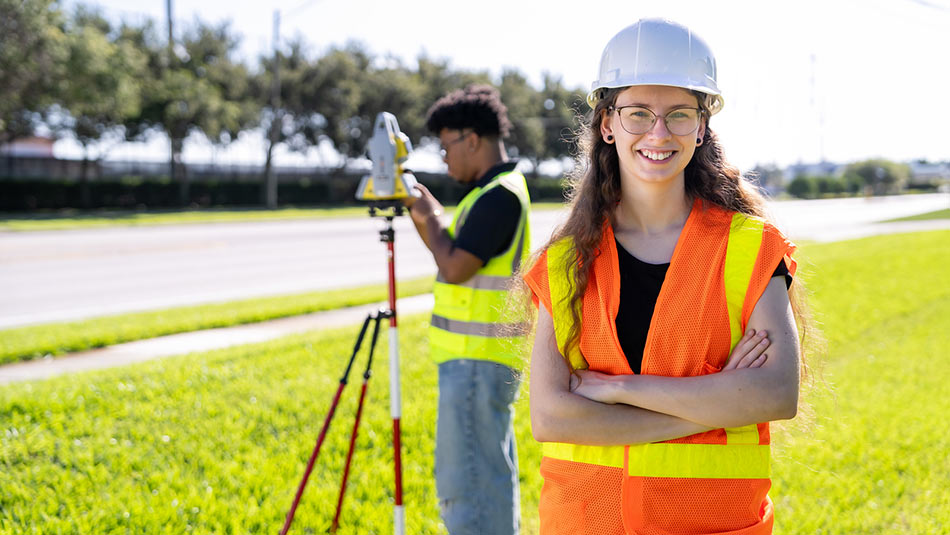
(665, 339)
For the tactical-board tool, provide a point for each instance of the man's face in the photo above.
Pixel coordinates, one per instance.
(457, 148)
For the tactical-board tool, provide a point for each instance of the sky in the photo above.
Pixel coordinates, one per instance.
(804, 81)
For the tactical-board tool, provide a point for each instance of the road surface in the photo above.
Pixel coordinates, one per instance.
(65, 275)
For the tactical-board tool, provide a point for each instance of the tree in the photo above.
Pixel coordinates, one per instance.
(196, 89)
(524, 105)
(803, 187)
(32, 52)
(561, 108)
(882, 176)
(103, 88)
(334, 90)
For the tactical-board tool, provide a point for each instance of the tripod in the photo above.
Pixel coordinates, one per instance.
(390, 209)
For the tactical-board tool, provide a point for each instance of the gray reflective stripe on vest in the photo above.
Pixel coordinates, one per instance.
(481, 282)
(477, 328)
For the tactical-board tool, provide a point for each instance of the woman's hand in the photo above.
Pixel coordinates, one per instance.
(597, 386)
(749, 352)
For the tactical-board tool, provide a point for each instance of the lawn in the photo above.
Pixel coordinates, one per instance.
(938, 214)
(216, 442)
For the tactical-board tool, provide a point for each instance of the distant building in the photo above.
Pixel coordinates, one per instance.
(29, 147)
(925, 173)
(814, 169)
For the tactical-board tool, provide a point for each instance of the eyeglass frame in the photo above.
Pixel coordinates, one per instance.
(700, 111)
(443, 149)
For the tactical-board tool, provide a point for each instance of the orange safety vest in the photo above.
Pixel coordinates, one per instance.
(715, 482)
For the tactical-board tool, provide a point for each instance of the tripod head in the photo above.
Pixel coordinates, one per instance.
(387, 208)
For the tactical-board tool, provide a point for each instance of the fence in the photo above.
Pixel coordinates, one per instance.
(30, 183)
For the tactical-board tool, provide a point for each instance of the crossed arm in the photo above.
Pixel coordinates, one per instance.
(599, 409)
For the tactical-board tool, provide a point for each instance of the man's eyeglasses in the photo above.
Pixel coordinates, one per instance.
(639, 120)
(444, 148)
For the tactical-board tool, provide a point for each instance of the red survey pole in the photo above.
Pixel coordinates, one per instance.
(395, 405)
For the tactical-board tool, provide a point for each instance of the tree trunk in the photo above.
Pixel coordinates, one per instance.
(270, 174)
(85, 199)
(178, 173)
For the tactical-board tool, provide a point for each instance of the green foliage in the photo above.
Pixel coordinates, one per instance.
(25, 343)
(882, 176)
(217, 442)
(803, 187)
(33, 48)
(103, 88)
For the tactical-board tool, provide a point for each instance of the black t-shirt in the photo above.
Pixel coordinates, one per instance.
(492, 221)
(640, 284)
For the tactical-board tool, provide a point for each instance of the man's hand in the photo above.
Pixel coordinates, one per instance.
(423, 207)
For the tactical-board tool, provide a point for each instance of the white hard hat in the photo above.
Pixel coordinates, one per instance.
(658, 52)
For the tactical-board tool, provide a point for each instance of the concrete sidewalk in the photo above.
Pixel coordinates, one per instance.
(205, 340)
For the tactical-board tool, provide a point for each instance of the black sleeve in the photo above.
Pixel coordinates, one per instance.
(782, 270)
(490, 225)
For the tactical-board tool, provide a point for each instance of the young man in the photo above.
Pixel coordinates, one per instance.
(476, 347)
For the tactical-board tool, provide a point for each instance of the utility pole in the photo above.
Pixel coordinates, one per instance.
(175, 170)
(270, 174)
(171, 42)
(819, 111)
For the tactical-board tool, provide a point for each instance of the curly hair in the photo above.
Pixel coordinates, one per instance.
(478, 107)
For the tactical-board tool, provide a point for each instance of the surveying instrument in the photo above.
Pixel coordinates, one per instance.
(384, 189)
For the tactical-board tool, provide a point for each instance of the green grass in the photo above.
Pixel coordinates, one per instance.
(25, 343)
(939, 214)
(80, 219)
(874, 459)
(217, 442)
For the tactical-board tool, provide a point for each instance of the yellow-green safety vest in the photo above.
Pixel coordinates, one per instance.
(469, 319)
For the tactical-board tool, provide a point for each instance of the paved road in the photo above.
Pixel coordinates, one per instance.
(62, 275)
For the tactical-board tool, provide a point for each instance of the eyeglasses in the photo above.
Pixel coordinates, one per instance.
(639, 120)
(444, 148)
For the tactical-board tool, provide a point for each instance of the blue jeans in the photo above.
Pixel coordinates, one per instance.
(476, 464)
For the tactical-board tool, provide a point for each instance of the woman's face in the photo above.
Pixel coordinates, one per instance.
(657, 155)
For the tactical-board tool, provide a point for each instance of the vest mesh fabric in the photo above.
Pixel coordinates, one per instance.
(587, 497)
(711, 506)
(689, 335)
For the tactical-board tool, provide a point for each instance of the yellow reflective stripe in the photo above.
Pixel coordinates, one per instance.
(561, 254)
(599, 455)
(748, 434)
(745, 237)
(710, 461)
